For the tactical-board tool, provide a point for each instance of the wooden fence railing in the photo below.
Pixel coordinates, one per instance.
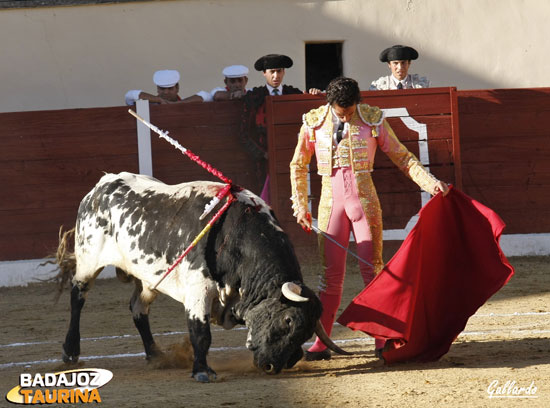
(495, 144)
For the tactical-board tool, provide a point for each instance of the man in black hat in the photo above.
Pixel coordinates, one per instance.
(399, 59)
(273, 67)
(253, 124)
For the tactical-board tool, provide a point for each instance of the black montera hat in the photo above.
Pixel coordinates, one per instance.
(398, 52)
(272, 61)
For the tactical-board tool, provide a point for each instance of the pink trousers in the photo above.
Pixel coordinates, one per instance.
(347, 215)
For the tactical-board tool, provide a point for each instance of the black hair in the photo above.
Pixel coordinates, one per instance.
(344, 92)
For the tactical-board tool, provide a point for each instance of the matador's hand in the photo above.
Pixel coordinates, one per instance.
(442, 187)
(304, 219)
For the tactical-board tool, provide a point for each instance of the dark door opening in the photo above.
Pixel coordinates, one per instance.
(323, 64)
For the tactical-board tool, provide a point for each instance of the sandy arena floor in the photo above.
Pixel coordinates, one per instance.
(506, 340)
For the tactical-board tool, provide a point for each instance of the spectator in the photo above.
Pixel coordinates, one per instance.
(167, 82)
(399, 59)
(235, 80)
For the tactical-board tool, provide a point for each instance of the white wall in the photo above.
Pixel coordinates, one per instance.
(88, 56)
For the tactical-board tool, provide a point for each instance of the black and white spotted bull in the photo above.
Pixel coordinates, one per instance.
(244, 270)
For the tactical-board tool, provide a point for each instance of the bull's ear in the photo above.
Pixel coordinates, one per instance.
(293, 292)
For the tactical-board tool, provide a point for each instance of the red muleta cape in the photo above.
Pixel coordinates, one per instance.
(447, 267)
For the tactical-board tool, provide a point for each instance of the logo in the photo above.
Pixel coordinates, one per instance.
(510, 389)
(66, 387)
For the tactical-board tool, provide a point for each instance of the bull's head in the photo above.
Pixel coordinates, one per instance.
(279, 327)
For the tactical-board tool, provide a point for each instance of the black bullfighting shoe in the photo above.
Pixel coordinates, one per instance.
(378, 353)
(318, 355)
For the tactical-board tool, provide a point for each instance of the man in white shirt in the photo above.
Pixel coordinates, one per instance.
(235, 80)
(167, 82)
(399, 59)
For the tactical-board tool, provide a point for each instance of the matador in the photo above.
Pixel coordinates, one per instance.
(344, 135)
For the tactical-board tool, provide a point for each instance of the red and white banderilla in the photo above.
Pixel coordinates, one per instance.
(226, 190)
(197, 239)
(164, 135)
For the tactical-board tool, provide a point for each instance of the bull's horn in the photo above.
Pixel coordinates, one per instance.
(323, 336)
(292, 292)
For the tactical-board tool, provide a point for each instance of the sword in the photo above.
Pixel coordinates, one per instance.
(324, 234)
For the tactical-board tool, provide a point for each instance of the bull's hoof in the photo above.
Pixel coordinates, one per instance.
(69, 359)
(71, 356)
(205, 376)
(201, 377)
(154, 353)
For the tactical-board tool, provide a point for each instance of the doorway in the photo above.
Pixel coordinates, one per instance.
(323, 63)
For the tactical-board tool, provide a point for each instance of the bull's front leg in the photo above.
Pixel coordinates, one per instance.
(199, 333)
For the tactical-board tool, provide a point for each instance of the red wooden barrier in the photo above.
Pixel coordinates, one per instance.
(50, 159)
(505, 137)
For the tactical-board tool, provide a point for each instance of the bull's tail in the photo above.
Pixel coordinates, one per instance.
(65, 260)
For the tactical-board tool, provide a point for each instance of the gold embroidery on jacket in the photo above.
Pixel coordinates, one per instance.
(315, 117)
(372, 116)
(352, 151)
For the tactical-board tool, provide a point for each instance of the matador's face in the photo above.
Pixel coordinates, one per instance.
(343, 114)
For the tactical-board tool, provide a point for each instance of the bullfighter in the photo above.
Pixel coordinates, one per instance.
(344, 134)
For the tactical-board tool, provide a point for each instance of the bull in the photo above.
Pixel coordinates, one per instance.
(244, 271)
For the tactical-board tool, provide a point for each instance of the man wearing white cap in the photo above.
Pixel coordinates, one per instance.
(399, 59)
(235, 79)
(167, 82)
